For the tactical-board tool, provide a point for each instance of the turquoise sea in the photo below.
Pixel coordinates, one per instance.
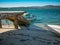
(47, 16)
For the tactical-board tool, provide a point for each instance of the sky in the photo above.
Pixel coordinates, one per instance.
(25, 3)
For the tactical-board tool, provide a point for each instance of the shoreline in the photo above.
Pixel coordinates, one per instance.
(55, 26)
(36, 25)
(52, 28)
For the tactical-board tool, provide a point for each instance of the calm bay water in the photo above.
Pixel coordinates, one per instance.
(47, 16)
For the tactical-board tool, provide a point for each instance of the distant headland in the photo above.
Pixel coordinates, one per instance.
(31, 7)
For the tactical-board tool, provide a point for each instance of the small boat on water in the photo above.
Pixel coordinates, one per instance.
(30, 17)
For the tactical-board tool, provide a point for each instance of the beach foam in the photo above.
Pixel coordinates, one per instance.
(52, 28)
(55, 27)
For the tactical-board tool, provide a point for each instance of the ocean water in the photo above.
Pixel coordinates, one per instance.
(46, 16)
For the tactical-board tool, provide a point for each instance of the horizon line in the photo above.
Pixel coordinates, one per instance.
(28, 6)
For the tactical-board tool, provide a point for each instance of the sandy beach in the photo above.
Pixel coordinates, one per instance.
(37, 34)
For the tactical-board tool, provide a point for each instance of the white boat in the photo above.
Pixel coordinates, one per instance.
(29, 17)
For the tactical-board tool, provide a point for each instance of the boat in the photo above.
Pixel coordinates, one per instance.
(30, 17)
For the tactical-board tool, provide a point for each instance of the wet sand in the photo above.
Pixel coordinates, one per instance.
(36, 34)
